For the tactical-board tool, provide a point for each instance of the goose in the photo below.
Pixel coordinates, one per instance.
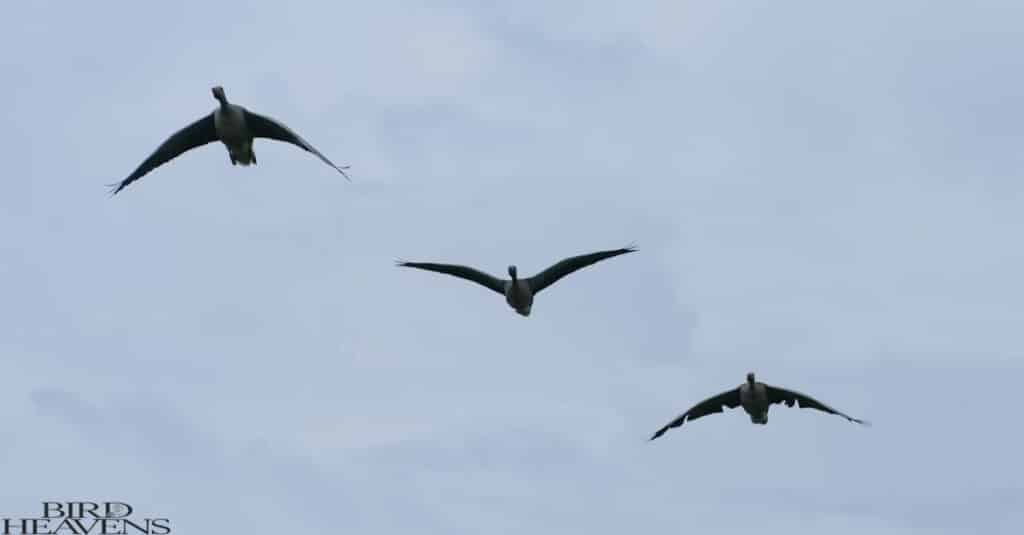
(756, 398)
(232, 125)
(519, 292)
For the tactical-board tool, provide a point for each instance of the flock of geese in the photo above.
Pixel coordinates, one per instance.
(236, 127)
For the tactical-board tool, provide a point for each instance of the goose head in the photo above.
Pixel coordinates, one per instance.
(218, 93)
(750, 378)
(512, 272)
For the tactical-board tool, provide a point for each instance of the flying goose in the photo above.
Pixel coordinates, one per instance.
(756, 398)
(230, 124)
(519, 292)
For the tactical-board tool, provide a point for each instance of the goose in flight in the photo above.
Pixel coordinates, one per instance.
(519, 292)
(756, 398)
(232, 125)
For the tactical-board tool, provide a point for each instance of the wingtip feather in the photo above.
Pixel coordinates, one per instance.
(114, 189)
(343, 173)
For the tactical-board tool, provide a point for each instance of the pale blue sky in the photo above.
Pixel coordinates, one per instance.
(828, 195)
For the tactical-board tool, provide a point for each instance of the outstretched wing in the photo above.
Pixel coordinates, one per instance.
(463, 272)
(551, 275)
(789, 397)
(194, 135)
(712, 405)
(262, 126)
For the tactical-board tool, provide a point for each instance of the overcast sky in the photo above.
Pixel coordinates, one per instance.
(828, 195)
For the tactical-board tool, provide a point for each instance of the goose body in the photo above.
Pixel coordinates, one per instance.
(519, 293)
(232, 125)
(755, 398)
(519, 296)
(232, 130)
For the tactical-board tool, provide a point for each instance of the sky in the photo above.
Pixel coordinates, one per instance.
(828, 195)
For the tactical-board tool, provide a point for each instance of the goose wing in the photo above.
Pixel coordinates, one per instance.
(552, 274)
(463, 272)
(712, 405)
(789, 397)
(262, 126)
(194, 135)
